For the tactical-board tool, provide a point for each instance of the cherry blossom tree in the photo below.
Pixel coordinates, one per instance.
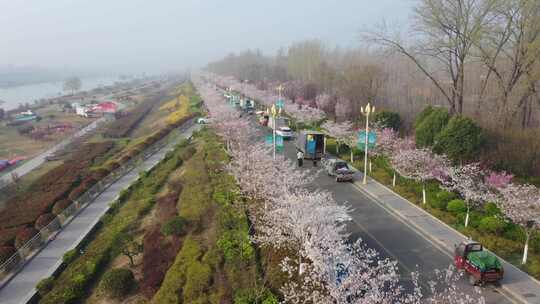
(468, 181)
(325, 102)
(325, 268)
(521, 204)
(340, 131)
(419, 165)
(498, 180)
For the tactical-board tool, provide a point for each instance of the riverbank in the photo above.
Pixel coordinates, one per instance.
(27, 94)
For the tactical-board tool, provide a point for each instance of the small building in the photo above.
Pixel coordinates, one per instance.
(105, 107)
(82, 110)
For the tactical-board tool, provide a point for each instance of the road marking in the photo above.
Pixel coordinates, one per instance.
(424, 236)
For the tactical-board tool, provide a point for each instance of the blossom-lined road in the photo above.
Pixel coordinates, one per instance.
(384, 232)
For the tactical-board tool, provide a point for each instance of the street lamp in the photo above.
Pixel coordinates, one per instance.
(369, 109)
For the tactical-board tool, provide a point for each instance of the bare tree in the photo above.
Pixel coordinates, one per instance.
(446, 31)
(72, 84)
(510, 49)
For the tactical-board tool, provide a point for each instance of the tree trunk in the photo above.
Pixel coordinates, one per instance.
(394, 180)
(526, 248)
(424, 193)
(352, 158)
(467, 216)
(130, 257)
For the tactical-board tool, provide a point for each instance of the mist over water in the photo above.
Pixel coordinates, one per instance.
(15, 96)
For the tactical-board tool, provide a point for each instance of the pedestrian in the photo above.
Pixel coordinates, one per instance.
(300, 157)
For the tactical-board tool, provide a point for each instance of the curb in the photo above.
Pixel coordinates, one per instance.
(513, 296)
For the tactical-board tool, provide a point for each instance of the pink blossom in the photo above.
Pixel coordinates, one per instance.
(498, 180)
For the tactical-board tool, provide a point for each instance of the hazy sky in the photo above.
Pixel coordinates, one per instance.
(169, 35)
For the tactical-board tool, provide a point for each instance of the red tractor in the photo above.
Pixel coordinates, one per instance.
(480, 265)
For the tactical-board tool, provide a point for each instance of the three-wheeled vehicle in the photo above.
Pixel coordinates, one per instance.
(311, 143)
(480, 265)
(337, 168)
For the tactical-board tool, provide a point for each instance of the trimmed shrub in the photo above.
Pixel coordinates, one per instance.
(100, 173)
(457, 206)
(460, 140)
(70, 256)
(441, 198)
(431, 126)
(446, 196)
(6, 252)
(77, 192)
(24, 235)
(44, 286)
(514, 232)
(422, 115)
(175, 226)
(387, 119)
(197, 281)
(535, 242)
(491, 224)
(44, 220)
(491, 209)
(60, 206)
(117, 283)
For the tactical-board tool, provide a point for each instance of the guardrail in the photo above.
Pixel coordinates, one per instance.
(24, 253)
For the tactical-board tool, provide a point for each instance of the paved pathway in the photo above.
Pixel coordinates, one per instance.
(22, 287)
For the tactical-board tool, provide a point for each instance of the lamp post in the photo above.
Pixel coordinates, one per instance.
(274, 112)
(369, 109)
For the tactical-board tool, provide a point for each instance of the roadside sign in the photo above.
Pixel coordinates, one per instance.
(279, 141)
(269, 141)
(280, 104)
(372, 138)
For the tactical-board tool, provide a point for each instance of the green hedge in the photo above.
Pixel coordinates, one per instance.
(72, 283)
(172, 285)
(460, 140)
(217, 257)
(117, 283)
(428, 129)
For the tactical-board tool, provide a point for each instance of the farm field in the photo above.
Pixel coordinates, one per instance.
(14, 144)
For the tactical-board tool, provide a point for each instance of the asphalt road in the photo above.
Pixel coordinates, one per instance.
(394, 239)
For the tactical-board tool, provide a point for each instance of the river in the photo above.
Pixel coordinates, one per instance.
(15, 96)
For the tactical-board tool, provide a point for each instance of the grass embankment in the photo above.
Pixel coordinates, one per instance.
(486, 224)
(217, 263)
(72, 284)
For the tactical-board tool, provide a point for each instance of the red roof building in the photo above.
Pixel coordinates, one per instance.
(105, 107)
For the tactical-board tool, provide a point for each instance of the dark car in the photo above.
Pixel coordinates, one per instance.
(338, 168)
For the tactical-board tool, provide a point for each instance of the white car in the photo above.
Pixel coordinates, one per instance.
(202, 121)
(284, 132)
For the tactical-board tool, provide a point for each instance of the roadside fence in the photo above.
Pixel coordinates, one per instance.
(25, 252)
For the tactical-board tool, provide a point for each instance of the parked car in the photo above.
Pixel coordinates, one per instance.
(338, 168)
(285, 132)
(480, 265)
(202, 121)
